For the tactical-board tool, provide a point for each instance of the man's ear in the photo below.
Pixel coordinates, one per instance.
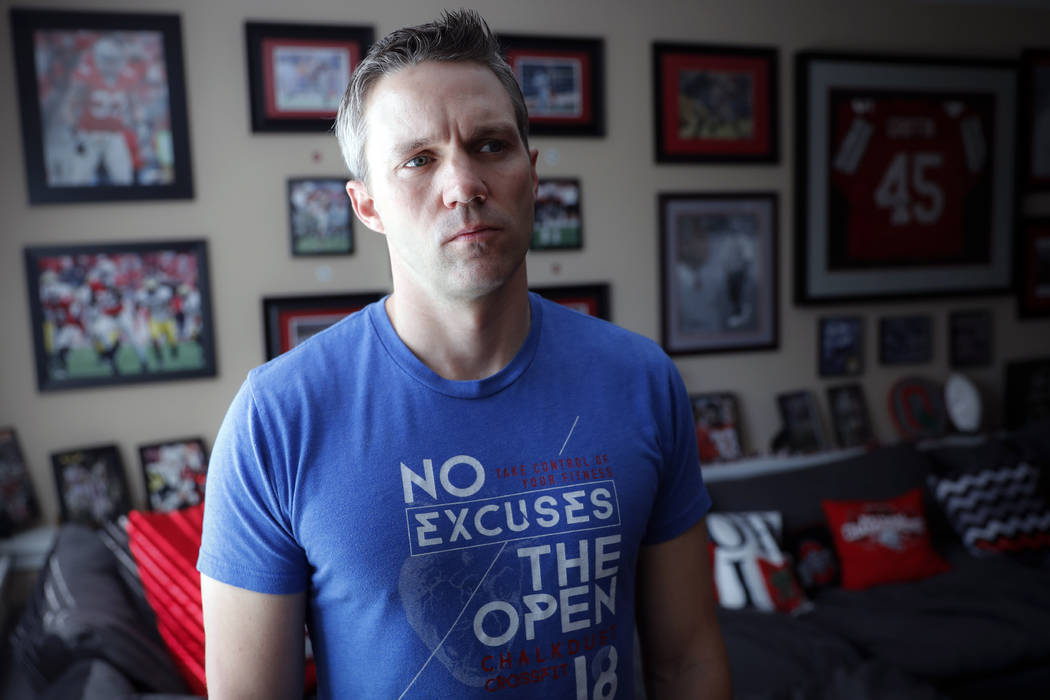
(534, 153)
(364, 206)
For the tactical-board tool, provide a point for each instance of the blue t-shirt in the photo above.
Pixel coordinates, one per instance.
(457, 538)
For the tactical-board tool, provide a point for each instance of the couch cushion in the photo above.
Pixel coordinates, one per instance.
(80, 609)
(883, 541)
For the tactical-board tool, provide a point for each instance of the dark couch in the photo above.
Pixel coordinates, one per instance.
(980, 630)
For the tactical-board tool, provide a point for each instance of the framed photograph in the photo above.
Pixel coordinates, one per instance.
(18, 503)
(297, 73)
(1027, 395)
(120, 313)
(1033, 144)
(558, 224)
(715, 103)
(1033, 269)
(849, 415)
(800, 417)
(103, 104)
(173, 472)
(905, 177)
(905, 340)
(718, 433)
(589, 299)
(289, 320)
(841, 340)
(563, 81)
(320, 216)
(92, 486)
(917, 408)
(718, 263)
(970, 338)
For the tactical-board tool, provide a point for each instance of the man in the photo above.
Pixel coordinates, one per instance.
(462, 488)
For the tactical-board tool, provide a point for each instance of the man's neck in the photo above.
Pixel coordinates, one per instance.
(459, 339)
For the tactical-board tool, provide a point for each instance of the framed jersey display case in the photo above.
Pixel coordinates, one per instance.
(906, 177)
(103, 105)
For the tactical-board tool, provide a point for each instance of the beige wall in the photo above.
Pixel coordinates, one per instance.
(239, 205)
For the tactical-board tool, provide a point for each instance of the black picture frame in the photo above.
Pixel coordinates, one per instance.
(591, 299)
(718, 266)
(800, 417)
(1033, 268)
(102, 98)
(289, 320)
(719, 434)
(320, 216)
(1033, 133)
(173, 473)
(970, 338)
(715, 103)
(333, 51)
(906, 340)
(841, 346)
(19, 507)
(120, 313)
(91, 484)
(904, 186)
(850, 418)
(1026, 395)
(558, 221)
(563, 81)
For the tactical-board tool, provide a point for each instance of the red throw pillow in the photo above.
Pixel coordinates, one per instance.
(882, 541)
(165, 547)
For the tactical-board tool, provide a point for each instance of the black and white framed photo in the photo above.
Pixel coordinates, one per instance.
(173, 472)
(718, 263)
(1027, 391)
(715, 103)
(970, 338)
(841, 341)
(297, 73)
(290, 320)
(558, 222)
(320, 216)
(905, 181)
(800, 418)
(849, 415)
(19, 507)
(103, 105)
(906, 340)
(562, 80)
(718, 433)
(120, 313)
(91, 483)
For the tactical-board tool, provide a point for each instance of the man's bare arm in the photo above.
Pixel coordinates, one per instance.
(253, 642)
(682, 646)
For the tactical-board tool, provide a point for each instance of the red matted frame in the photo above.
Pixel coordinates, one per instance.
(715, 103)
(289, 320)
(1033, 268)
(572, 69)
(331, 51)
(591, 299)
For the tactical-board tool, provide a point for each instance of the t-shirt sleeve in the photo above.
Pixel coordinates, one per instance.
(247, 538)
(682, 499)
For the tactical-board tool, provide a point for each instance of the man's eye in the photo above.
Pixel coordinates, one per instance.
(493, 147)
(417, 162)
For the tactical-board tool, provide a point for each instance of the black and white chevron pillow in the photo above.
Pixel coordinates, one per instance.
(996, 509)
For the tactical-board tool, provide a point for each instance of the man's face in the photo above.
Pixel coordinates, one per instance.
(450, 182)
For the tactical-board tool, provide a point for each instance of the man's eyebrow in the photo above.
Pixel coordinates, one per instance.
(482, 131)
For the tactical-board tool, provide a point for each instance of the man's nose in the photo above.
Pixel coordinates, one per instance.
(462, 182)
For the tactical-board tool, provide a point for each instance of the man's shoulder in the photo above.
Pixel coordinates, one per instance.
(598, 335)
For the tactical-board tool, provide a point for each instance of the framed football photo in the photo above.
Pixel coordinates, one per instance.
(103, 104)
(320, 216)
(558, 221)
(849, 415)
(905, 340)
(174, 472)
(800, 417)
(841, 341)
(562, 80)
(120, 313)
(289, 320)
(92, 486)
(589, 299)
(970, 338)
(718, 433)
(298, 73)
(905, 177)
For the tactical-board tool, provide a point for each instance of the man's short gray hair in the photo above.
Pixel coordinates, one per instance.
(458, 36)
